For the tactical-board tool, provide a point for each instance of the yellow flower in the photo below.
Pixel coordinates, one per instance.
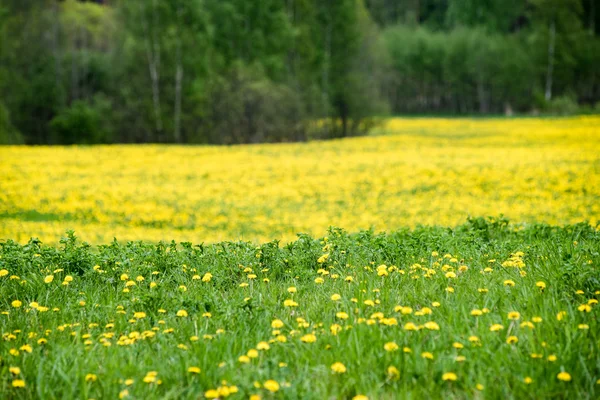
(309, 338)
(18, 383)
(290, 303)
(16, 303)
(369, 303)
(139, 315)
(409, 326)
(541, 285)
(123, 393)
(564, 376)
(583, 326)
(263, 346)
(360, 397)
(393, 373)
(514, 315)
(91, 378)
(476, 313)
(14, 370)
(561, 315)
(252, 353)
(585, 308)
(449, 376)
(338, 368)
(182, 313)
(512, 340)
(496, 328)
(292, 289)
(207, 277)
(212, 394)
(139, 278)
(432, 326)
(48, 278)
(527, 380)
(194, 370)
(27, 348)
(457, 345)
(271, 385)
(335, 297)
(509, 282)
(341, 315)
(450, 275)
(390, 346)
(3, 272)
(552, 358)
(276, 324)
(244, 359)
(479, 387)
(427, 355)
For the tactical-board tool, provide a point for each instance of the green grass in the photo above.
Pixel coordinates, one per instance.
(566, 259)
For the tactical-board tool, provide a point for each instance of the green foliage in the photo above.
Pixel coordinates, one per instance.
(95, 318)
(329, 67)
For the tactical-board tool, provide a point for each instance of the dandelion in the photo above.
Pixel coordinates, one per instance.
(496, 327)
(449, 376)
(182, 313)
(390, 346)
(194, 370)
(309, 338)
(16, 303)
(212, 394)
(14, 370)
(410, 326)
(457, 345)
(552, 358)
(91, 378)
(393, 373)
(3, 272)
(583, 326)
(584, 308)
(360, 397)
(207, 277)
(433, 326)
(139, 315)
(338, 368)
(276, 324)
(18, 383)
(290, 303)
(514, 315)
(561, 315)
(271, 385)
(335, 297)
(527, 380)
(563, 376)
(48, 278)
(341, 315)
(541, 285)
(509, 282)
(512, 340)
(427, 355)
(263, 346)
(244, 359)
(252, 353)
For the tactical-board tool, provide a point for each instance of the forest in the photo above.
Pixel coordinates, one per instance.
(251, 71)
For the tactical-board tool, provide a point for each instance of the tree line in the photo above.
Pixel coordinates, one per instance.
(248, 71)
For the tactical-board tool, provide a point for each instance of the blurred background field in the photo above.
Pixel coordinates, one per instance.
(410, 172)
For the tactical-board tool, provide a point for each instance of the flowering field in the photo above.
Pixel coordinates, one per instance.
(419, 171)
(481, 311)
(448, 303)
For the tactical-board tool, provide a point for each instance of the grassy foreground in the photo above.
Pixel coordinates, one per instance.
(480, 311)
(427, 171)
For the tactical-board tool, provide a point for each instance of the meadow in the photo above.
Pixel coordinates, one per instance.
(465, 265)
(480, 311)
(416, 172)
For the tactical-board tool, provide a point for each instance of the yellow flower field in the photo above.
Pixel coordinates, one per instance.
(415, 171)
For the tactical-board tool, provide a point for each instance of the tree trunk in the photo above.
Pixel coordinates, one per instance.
(549, 72)
(153, 57)
(178, 81)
